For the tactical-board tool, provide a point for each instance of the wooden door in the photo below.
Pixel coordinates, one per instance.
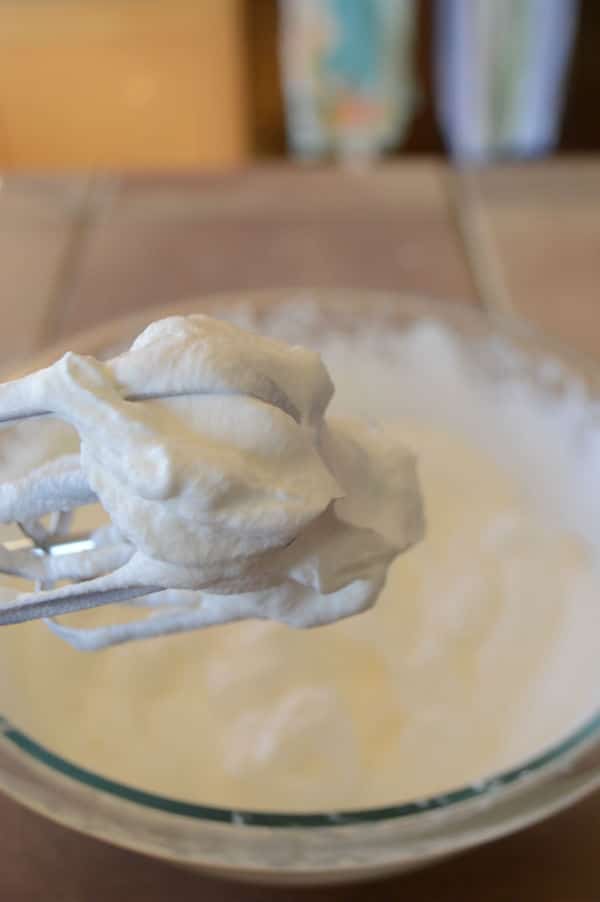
(122, 83)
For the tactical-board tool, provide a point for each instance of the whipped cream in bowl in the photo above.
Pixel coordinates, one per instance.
(459, 700)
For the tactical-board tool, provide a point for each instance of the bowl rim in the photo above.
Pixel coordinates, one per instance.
(562, 751)
(446, 802)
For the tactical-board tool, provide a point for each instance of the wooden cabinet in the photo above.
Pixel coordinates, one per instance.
(122, 83)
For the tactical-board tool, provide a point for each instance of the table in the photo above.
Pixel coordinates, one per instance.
(76, 250)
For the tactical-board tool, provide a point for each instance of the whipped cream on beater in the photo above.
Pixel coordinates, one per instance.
(229, 493)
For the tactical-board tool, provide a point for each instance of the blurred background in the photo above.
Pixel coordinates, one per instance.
(134, 136)
(216, 83)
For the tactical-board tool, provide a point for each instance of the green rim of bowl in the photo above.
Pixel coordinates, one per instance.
(168, 805)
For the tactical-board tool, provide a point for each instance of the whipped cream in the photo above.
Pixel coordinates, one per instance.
(483, 648)
(209, 449)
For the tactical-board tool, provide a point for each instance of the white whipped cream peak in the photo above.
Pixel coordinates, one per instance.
(235, 485)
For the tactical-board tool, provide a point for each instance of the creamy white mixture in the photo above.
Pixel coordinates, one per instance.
(482, 650)
(236, 485)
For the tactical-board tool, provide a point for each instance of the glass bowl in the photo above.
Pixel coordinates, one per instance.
(320, 847)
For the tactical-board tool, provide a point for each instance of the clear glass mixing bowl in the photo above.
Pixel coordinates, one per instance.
(322, 846)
